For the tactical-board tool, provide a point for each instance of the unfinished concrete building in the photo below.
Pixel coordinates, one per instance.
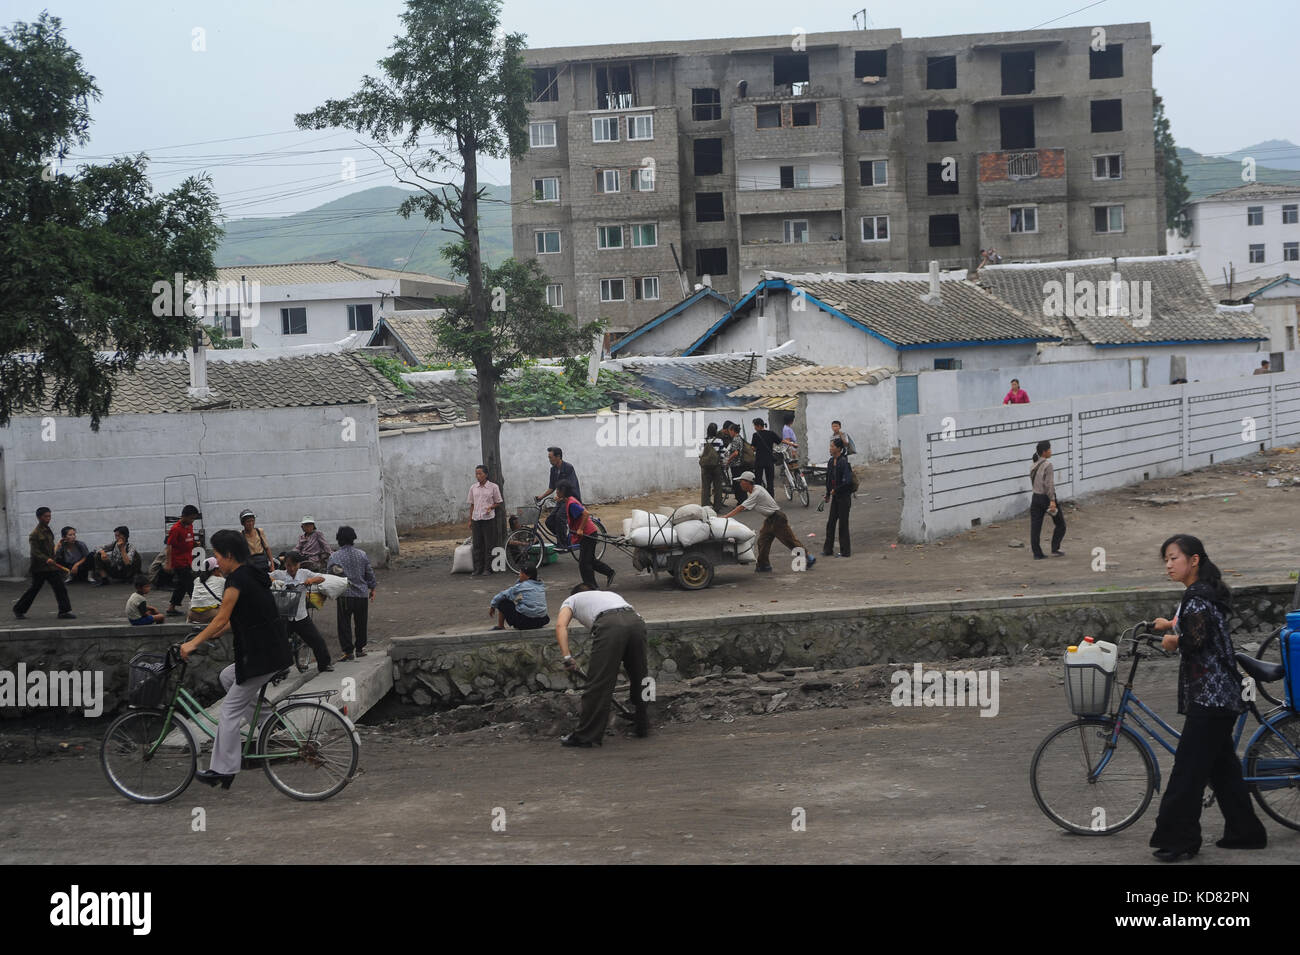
(654, 165)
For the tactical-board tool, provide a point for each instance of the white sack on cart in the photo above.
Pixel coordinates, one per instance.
(691, 533)
(688, 512)
(645, 519)
(745, 552)
(730, 529)
(653, 536)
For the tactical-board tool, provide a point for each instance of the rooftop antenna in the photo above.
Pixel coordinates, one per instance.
(866, 21)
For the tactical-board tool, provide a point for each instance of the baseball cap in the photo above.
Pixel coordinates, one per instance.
(308, 520)
(246, 513)
(747, 476)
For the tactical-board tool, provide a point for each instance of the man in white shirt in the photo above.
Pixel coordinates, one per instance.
(295, 573)
(484, 499)
(775, 524)
(617, 636)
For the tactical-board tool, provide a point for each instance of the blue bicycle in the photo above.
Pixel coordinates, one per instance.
(1095, 776)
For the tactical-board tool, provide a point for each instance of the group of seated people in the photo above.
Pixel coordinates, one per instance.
(115, 561)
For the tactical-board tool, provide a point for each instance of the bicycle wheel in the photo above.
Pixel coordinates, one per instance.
(1270, 651)
(143, 776)
(1269, 756)
(600, 541)
(523, 550)
(802, 485)
(1062, 764)
(310, 750)
(788, 481)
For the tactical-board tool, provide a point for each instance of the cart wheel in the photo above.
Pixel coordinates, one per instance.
(694, 571)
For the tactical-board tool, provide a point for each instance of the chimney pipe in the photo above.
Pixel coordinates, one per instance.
(933, 297)
(199, 368)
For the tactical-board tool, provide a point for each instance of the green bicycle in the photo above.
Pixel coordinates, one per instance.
(307, 747)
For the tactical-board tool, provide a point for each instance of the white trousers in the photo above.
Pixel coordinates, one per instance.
(237, 704)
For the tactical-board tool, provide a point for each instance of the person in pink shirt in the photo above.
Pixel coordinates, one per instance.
(484, 499)
(1016, 396)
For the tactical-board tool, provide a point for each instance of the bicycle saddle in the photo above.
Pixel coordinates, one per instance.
(1261, 671)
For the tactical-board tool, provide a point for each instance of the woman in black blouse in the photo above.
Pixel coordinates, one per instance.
(261, 649)
(1210, 694)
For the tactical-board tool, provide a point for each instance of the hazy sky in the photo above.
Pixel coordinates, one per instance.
(1227, 72)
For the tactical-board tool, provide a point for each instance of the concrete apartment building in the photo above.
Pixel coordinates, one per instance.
(856, 151)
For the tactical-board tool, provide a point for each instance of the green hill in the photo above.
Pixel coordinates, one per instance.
(364, 228)
(1207, 174)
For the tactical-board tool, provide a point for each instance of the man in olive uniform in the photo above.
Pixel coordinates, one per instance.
(617, 637)
(44, 569)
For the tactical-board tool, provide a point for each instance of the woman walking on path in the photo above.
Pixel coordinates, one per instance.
(1044, 502)
(1209, 693)
(582, 529)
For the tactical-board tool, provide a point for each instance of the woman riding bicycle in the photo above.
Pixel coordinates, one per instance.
(1209, 693)
(261, 648)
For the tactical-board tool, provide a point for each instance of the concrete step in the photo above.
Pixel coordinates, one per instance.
(355, 686)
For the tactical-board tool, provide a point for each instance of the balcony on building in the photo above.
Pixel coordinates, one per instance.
(807, 184)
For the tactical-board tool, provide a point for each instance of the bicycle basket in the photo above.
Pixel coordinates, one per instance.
(147, 681)
(286, 602)
(528, 513)
(1088, 688)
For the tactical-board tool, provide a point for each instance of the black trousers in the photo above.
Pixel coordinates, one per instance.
(1205, 755)
(588, 565)
(484, 538)
(711, 487)
(182, 583)
(516, 619)
(838, 513)
(39, 579)
(306, 630)
(1037, 508)
(617, 637)
(765, 471)
(352, 609)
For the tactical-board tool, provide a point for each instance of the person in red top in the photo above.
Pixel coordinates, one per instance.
(1016, 396)
(180, 551)
(582, 529)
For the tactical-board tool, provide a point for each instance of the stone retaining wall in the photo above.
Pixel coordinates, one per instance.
(108, 649)
(446, 671)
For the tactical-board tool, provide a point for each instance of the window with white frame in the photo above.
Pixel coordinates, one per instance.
(548, 242)
(607, 180)
(541, 135)
(645, 235)
(1291, 251)
(361, 318)
(875, 228)
(643, 179)
(611, 290)
(641, 127)
(1024, 219)
(293, 321)
(1257, 253)
(1107, 219)
(1109, 166)
(609, 237)
(546, 190)
(555, 296)
(647, 289)
(795, 230)
(873, 172)
(1290, 214)
(604, 129)
(1254, 215)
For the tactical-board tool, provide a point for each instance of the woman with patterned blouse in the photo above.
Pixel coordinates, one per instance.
(1210, 694)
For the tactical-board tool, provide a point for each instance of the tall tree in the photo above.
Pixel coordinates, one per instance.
(1176, 191)
(454, 79)
(82, 252)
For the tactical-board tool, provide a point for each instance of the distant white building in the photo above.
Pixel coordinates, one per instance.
(1244, 234)
(313, 303)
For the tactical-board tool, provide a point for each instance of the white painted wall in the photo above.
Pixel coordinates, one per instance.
(428, 470)
(1098, 442)
(677, 332)
(284, 464)
(1222, 238)
(972, 356)
(1212, 351)
(326, 304)
(866, 412)
(1279, 311)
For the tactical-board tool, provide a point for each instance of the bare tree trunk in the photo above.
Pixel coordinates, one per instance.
(489, 419)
